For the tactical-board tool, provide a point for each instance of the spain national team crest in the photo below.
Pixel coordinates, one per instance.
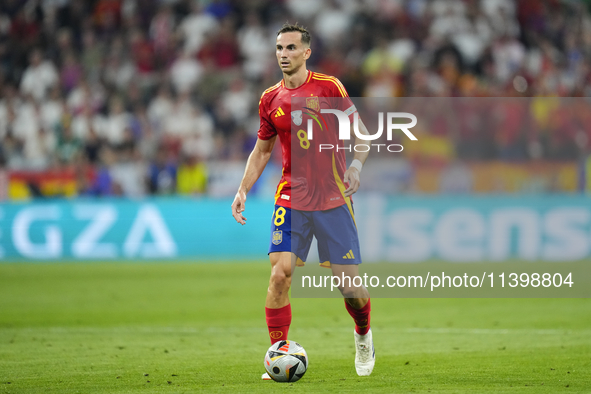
(277, 237)
(276, 334)
(313, 103)
(296, 117)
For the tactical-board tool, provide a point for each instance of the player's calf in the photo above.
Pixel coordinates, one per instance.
(277, 306)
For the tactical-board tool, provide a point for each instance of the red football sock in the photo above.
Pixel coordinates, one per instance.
(278, 321)
(361, 317)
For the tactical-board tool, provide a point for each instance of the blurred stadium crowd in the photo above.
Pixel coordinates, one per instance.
(137, 97)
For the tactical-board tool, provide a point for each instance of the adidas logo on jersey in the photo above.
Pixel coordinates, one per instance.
(279, 112)
(349, 255)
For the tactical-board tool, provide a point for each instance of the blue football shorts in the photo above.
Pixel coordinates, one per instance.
(334, 229)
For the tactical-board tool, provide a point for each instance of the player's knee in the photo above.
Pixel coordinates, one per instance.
(348, 292)
(279, 279)
(354, 292)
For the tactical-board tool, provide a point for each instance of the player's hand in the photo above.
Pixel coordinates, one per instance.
(351, 176)
(238, 207)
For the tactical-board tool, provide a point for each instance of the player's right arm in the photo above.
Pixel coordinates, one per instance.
(258, 159)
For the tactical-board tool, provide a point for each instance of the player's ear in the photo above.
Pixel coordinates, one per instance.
(307, 53)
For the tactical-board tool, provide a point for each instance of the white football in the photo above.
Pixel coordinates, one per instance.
(286, 361)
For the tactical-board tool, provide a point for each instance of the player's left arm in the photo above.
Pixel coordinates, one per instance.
(352, 175)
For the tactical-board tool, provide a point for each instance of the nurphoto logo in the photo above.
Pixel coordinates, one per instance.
(345, 129)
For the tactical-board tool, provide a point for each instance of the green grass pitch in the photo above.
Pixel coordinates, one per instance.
(183, 328)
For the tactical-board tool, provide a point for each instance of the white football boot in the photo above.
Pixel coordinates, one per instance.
(365, 354)
(266, 376)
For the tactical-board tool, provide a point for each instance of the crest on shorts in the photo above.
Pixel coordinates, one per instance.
(277, 237)
(296, 117)
(313, 103)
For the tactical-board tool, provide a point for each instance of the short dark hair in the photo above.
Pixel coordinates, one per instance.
(288, 28)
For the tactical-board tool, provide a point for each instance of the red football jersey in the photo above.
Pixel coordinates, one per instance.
(312, 179)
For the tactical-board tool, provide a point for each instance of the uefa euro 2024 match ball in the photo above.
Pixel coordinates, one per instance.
(286, 361)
